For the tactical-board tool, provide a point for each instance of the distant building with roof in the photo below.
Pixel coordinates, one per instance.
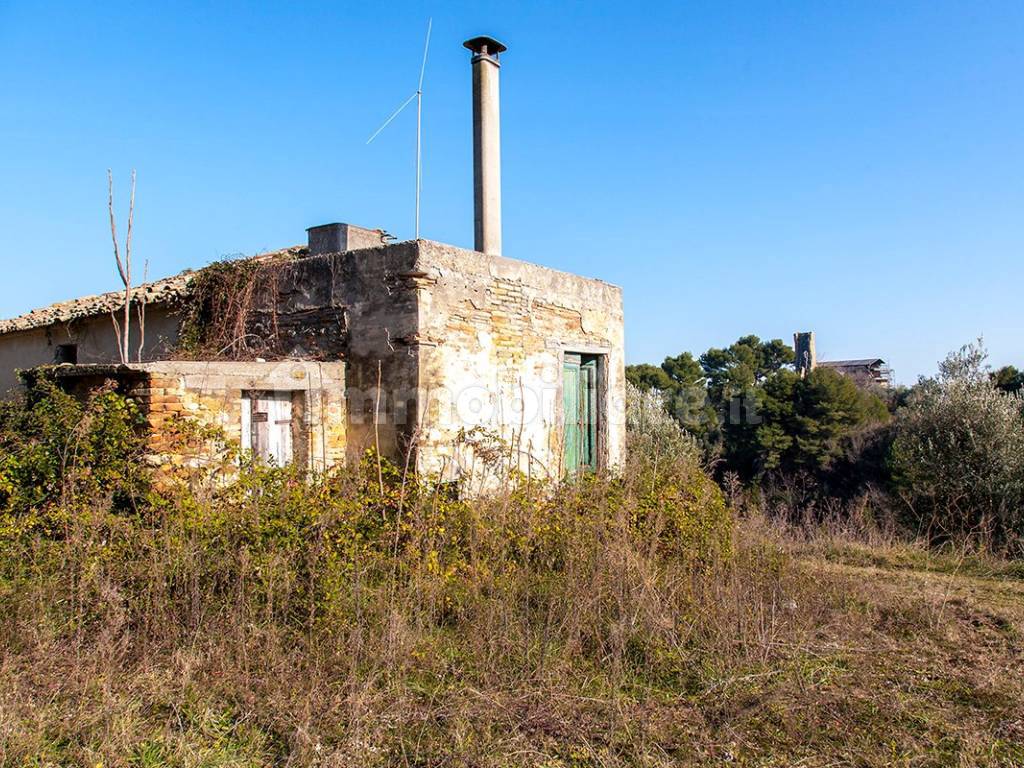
(866, 370)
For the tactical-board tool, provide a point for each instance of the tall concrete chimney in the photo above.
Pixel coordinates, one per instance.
(486, 145)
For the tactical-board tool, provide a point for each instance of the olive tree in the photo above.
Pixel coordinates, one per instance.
(651, 430)
(958, 455)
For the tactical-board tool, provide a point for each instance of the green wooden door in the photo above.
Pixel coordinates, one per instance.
(571, 403)
(579, 401)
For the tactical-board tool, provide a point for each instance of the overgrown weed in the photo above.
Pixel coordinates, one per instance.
(294, 620)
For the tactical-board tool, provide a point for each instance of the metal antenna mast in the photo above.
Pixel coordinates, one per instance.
(418, 95)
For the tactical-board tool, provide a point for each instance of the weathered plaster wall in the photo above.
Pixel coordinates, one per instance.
(95, 338)
(457, 340)
(297, 311)
(377, 289)
(492, 333)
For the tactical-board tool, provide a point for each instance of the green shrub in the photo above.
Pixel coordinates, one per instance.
(675, 498)
(652, 433)
(55, 447)
(958, 454)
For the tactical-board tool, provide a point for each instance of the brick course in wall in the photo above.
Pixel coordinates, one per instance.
(210, 395)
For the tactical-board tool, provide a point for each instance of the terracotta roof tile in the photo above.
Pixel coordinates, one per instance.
(164, 291)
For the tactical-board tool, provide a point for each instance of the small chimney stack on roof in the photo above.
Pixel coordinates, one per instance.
(486, 144)
(338, 238)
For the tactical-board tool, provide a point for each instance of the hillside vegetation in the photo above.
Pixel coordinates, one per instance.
(370, 619)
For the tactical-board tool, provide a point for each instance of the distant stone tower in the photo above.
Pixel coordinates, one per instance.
(806, 359)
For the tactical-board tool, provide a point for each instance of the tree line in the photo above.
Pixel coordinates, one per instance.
(946, 454)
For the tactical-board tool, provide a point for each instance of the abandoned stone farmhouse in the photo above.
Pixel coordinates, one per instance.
(461, 362)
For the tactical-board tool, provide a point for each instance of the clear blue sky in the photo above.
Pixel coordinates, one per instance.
(855, 168)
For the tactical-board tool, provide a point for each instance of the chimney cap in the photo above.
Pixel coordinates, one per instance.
(484, 45)
(331, 224)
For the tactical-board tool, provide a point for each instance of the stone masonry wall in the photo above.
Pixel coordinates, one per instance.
(493, 332)
(210, 395)
(376, 287)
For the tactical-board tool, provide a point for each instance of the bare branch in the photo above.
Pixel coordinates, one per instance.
(113, 226)
(124, 267)
(376, 433)
(128, 271)
(128, 237)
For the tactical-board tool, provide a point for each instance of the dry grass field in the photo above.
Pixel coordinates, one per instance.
(194, 645)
